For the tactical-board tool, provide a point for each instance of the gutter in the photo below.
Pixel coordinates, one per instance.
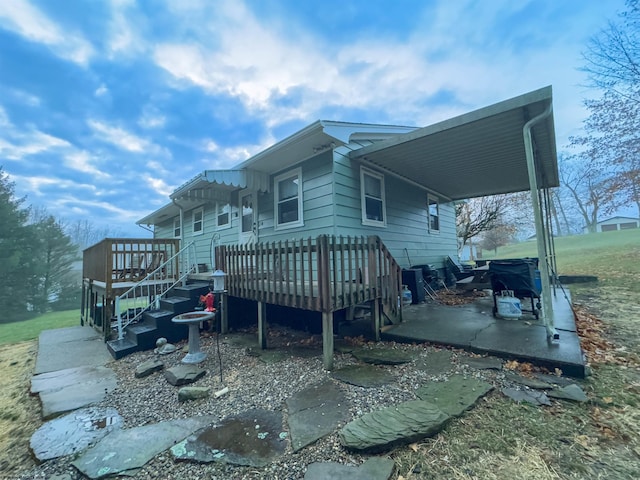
(547, 308)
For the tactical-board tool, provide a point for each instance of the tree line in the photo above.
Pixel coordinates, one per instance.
(40, 257)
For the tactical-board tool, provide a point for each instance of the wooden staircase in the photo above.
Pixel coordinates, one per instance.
(157, 323)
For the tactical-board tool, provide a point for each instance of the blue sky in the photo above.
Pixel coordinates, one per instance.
(107, 106)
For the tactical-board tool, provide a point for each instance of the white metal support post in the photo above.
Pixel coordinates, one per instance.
(547, 308)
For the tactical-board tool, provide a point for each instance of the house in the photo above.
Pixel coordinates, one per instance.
(327, 218)
(616, 223)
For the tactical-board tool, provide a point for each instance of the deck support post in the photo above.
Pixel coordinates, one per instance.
(262, 325)
(327, 339)
(376, 319)
(224, 315)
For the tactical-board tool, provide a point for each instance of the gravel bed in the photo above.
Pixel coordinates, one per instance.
(252, 384)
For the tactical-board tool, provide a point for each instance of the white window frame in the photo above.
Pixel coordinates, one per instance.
(194, 222)
(433, 200)
(223, 225)
(276, 194)
(363, 199)
(177, 227)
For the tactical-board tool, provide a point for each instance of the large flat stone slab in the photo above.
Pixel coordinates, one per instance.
(455, 395)
(253, 438)
(396, 425)
(315, 412)
(375, 468)
(183, 374)
(125, 450)
(63, 348)
(73, 433)
(436, 363)
(363, 375)
(68, 390)
(382, 356)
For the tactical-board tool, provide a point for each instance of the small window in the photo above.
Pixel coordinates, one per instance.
(198, 221)
(434, 214)
(288, 199)
(176, 227)
(372, 197)
(223, 215)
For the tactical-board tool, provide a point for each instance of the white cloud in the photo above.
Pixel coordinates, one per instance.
(26, 98)
(37, 185)
(419, 77)
(83, 161)
(158, 185)
(121, 138)
(26, 20)
(24, 144)
(151, 118)
(124, 38)
(210, 146)
(101, 91)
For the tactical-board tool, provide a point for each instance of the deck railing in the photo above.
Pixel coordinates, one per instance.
(113, 265)
(147, 292)
(324, 274)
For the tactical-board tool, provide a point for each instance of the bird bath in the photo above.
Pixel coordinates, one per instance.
(193, 319)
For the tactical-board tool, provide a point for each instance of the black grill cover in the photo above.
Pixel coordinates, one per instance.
(517, 275)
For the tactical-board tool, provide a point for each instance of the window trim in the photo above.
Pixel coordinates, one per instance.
(176, 220)
(431, 200)
(224, 226)
(193, 221)
(296, 172)
(363, 200)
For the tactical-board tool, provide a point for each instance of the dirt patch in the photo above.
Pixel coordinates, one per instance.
(19, 411)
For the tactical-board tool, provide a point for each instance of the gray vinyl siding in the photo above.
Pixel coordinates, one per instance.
(406, 233)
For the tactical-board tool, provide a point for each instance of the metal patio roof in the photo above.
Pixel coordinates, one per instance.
(475, 154)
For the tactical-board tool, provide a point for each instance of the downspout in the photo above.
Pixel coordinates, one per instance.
(181, 210)
(547, 308)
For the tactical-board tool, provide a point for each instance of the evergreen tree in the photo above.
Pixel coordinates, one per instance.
(56, 255)
(17, 256)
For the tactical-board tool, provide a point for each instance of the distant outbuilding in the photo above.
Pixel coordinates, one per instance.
(616, 223)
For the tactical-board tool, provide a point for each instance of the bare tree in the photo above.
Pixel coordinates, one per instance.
(590, 186)
(85, 233)
(478, 215)
(613, 55)
(612, 133)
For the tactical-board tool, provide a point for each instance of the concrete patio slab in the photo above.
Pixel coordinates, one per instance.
(473, 327)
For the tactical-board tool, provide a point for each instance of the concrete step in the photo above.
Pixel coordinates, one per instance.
(121, 348)
(165, 327)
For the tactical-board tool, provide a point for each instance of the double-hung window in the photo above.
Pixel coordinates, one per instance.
(176, 227)
(433, 209)
(198, 221)
(372, 198)
(288, 199)
(223, 215)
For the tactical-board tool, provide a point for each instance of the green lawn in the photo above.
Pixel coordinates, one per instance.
(614, 257)
(29, 329)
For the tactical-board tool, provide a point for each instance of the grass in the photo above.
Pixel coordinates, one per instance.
(15, 332)
(614, 257)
